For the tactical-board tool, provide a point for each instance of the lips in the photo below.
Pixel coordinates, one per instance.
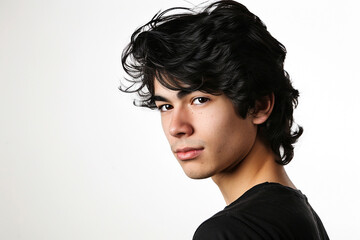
(188, 153)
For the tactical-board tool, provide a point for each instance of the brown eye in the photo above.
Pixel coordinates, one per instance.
(165, 107)
(200, 100)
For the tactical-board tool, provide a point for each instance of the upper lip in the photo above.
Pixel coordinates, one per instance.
(186, 149)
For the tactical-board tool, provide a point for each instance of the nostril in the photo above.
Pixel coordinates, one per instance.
(176, 132)
(180, 134)
(180, 123)
(181, 130)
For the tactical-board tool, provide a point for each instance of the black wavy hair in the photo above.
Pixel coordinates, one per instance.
(221, 49)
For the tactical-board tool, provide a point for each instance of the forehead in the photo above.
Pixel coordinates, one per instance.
(161, 90)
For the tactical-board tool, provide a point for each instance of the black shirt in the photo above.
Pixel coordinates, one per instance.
(266, 211)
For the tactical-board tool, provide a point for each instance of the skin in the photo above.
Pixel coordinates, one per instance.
(209, 139)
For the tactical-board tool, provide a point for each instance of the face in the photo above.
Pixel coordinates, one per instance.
(205, 134)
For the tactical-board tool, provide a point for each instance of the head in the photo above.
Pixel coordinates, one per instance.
(222, 52)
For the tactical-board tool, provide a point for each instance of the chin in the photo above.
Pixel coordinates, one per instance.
(197, 174)
(196, 169)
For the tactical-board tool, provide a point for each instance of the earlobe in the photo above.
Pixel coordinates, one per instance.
(263, 109)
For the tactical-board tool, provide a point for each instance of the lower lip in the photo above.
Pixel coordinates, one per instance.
(189, 154)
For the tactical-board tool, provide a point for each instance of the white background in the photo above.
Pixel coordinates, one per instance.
(78, 161)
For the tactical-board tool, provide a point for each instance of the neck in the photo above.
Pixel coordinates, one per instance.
(257, 167)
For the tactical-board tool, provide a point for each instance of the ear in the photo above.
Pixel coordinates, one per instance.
(263, 109)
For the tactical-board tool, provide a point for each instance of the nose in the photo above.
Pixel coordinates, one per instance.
(180, 125)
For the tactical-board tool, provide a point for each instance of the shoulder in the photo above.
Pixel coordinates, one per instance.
(268, 211)
(224, 227)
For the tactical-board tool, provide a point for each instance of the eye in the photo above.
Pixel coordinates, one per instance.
(165, 107)
(200, 100)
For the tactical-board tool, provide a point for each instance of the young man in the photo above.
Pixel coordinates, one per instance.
(226, 107)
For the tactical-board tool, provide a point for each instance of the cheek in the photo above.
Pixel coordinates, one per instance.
(232, 136)
(217, 130)
(165, 127)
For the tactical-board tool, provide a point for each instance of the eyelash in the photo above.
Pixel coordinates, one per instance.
(202, 101)
(203, 98)
(164, 105)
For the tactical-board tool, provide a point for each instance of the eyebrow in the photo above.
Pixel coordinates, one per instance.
(159, 98)
(181, 94)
